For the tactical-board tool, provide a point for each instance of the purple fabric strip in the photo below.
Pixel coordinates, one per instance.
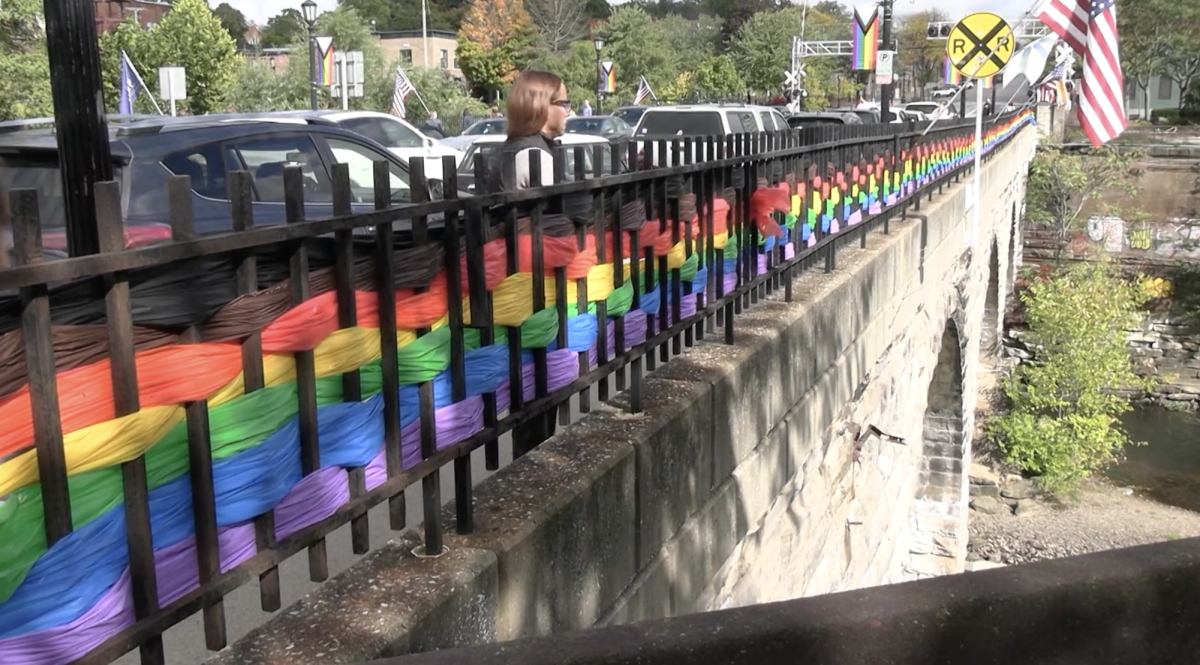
(730, 282)
(312, 499)
(635, 333)
(789, 251)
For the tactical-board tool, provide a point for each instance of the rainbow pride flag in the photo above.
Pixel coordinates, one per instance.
(325, 60)
(865, 37)
(610, 77)
(951, 75)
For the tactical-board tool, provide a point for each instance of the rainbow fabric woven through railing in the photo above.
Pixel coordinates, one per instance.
(57, 604)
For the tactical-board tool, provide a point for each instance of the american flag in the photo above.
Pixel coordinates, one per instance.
(1090, 28)
(403, 89)
(643, 91)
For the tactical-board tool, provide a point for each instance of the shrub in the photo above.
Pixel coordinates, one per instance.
(1063, 424)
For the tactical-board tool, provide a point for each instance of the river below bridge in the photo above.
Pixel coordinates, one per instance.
(1167, 469)
(1152, 495)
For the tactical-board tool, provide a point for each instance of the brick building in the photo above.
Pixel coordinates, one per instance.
(111, 13)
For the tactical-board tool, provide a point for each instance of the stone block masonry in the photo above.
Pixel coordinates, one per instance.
(755, 473)
(1164, 348)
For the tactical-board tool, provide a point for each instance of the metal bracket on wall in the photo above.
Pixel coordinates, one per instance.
(866, 433)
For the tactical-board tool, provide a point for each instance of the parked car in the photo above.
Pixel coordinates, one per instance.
(484, 127)
(606, 126)
(206, 148)
(931, 110)
(702, 120)
(808, 119)
(867, 115)
(403, 139)
(487, 146)
(708, 119)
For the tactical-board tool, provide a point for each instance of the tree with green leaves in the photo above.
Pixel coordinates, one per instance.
(25, 86)
(716, 78)
(1143, 40)
(233, 21)
(1064, 423)
(638, 46)
(576, 66)
(1062, 184)
(284, 29)
(691, 40)
(1181, 52)
(762, 49)
(190, 36)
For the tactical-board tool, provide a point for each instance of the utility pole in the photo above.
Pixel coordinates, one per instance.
(885, 96)
(81, 132)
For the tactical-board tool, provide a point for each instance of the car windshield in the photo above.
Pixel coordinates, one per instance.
(923, 108)
(585, 125)
(494, 126)
(681, 123)
(385, 131)
(630, 116)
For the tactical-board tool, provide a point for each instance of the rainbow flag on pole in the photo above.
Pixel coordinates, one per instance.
(865, 36)
(325, 60)
(951, 75)
(610, 77)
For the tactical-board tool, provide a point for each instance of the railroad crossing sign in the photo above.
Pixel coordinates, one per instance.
(792, 78)
(980, 45)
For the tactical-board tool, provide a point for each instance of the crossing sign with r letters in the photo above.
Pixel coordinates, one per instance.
(980, 45)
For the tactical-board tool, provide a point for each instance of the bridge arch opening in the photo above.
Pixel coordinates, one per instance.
(1010, 282)
(939, 536)
(989, 334)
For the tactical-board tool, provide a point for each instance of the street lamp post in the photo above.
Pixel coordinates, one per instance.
(598, 41)
(309, 10)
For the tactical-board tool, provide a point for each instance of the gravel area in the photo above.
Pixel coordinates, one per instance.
(1101, 517)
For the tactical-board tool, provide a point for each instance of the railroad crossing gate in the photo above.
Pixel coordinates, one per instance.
(980, 45)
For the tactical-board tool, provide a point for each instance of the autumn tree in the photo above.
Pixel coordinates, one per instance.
(494, 38)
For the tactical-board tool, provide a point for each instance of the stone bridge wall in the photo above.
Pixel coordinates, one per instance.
(741, 483)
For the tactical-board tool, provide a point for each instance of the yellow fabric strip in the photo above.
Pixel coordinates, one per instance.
(103, 444)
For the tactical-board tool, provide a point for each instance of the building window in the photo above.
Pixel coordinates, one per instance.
(1166, 88)
(445, 59)
(406, 57)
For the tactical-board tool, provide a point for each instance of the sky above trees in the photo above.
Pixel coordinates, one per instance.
(261, 10)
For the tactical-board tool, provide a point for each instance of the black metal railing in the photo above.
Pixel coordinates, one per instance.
(183, 417)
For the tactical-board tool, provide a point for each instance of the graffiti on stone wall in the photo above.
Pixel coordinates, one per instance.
(1107, 231)
(1178, 239)
(1181, 242)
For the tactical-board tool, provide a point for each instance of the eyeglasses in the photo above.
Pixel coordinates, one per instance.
(564, 103)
